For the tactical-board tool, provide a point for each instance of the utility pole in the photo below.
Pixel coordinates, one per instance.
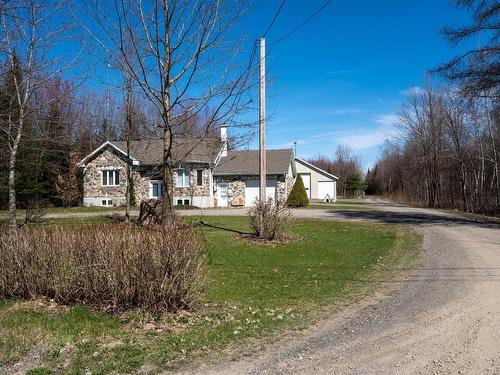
(262, 121)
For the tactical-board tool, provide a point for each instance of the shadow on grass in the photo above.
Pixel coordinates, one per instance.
(201, 222)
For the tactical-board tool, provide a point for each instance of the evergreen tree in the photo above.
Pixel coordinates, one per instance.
(298, 195)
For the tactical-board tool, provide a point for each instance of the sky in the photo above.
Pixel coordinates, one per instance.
(342, 77)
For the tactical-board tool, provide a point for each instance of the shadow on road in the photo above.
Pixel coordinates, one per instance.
(412, 218)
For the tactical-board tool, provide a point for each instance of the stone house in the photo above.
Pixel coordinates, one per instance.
(206, 174)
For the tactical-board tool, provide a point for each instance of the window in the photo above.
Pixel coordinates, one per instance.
(107, 202)
(182, 202)
(156, 189)
(182, 178)
(110, 177)
(199, 177)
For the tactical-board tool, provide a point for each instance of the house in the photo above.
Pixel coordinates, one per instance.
(319, 184)
(206, 174)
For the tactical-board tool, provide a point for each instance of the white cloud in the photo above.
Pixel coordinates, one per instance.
(414, 90)
(387, 119)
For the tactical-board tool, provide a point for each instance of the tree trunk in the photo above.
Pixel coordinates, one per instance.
(12, 175)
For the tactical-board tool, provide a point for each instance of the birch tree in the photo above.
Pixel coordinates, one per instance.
(29, 30)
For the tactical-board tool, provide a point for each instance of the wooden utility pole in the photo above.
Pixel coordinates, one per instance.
(262, 121)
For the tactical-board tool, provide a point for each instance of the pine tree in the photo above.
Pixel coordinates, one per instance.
(298, 195)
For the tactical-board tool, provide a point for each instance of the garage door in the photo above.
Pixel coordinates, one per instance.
(326, 189)
(306, 179)
(252, 191)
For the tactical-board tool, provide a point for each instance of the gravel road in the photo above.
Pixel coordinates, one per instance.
(443, 318)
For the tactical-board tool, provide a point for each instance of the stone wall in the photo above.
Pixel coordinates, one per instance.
(92, 178)
(236, 193)
(194, 190)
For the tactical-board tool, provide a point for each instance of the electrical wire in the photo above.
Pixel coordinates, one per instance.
(274, 18)
(301, 24)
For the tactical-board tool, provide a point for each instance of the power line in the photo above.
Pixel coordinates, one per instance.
(300, 25)
(275, 17)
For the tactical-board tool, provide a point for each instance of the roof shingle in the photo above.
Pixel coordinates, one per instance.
(246, 163)
(150, 152)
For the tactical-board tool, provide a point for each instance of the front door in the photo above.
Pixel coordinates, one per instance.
(222, 187)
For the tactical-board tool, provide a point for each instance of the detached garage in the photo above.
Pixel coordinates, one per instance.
(319, 184)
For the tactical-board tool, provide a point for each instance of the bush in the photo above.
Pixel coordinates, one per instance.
(275, 217)
(298, 195)
(111, 267)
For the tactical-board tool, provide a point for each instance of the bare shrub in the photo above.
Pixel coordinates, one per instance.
(111, 267)
(35, 211)
(268, 219)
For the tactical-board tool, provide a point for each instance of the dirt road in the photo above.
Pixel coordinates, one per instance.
(444, 319)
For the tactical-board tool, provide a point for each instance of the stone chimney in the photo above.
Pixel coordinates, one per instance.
(223, 138)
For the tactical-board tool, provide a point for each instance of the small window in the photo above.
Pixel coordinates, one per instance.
(182, 178)
(107, 202)
(179, 202)
(186, 202)
(110, 177)
(199, 177)
(156, 189)
(104, 202)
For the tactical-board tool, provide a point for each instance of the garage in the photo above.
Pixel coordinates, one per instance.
(319, 184)
(252, 191)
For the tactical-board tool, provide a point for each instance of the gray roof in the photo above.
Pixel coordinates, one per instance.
(247, 162)
(150, 152)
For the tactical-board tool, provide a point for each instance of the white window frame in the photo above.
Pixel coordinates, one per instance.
(107, 202)
(151, 182)
(185, 175)
(109, 174)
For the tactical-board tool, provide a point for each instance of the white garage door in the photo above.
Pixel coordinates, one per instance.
(252, 191)
(326, 189)
(306, 179)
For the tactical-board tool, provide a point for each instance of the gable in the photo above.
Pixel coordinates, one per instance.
(110, 148)
(304, 167)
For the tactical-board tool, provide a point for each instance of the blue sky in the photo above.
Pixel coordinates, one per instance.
(342, 77)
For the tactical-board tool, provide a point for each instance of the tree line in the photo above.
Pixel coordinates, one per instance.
(447, 153)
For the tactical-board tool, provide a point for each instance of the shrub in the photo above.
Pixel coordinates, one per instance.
(298, 195)
(111, 267)
(275, 217)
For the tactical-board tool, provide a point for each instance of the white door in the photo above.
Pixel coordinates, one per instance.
(252, 191)
(326, 189)
(222, 188)
(306, 179)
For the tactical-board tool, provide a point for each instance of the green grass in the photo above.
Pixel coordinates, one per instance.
(68, 210)
(255, 292)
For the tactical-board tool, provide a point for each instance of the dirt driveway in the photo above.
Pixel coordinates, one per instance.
(443, 319)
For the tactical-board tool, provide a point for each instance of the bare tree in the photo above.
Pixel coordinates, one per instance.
(478, 69)
(184, 59)
(29, 30)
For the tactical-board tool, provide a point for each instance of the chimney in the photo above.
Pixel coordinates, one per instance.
(223, 138)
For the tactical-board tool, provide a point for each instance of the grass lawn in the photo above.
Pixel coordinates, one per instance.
(65, 210)
(255, 292)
